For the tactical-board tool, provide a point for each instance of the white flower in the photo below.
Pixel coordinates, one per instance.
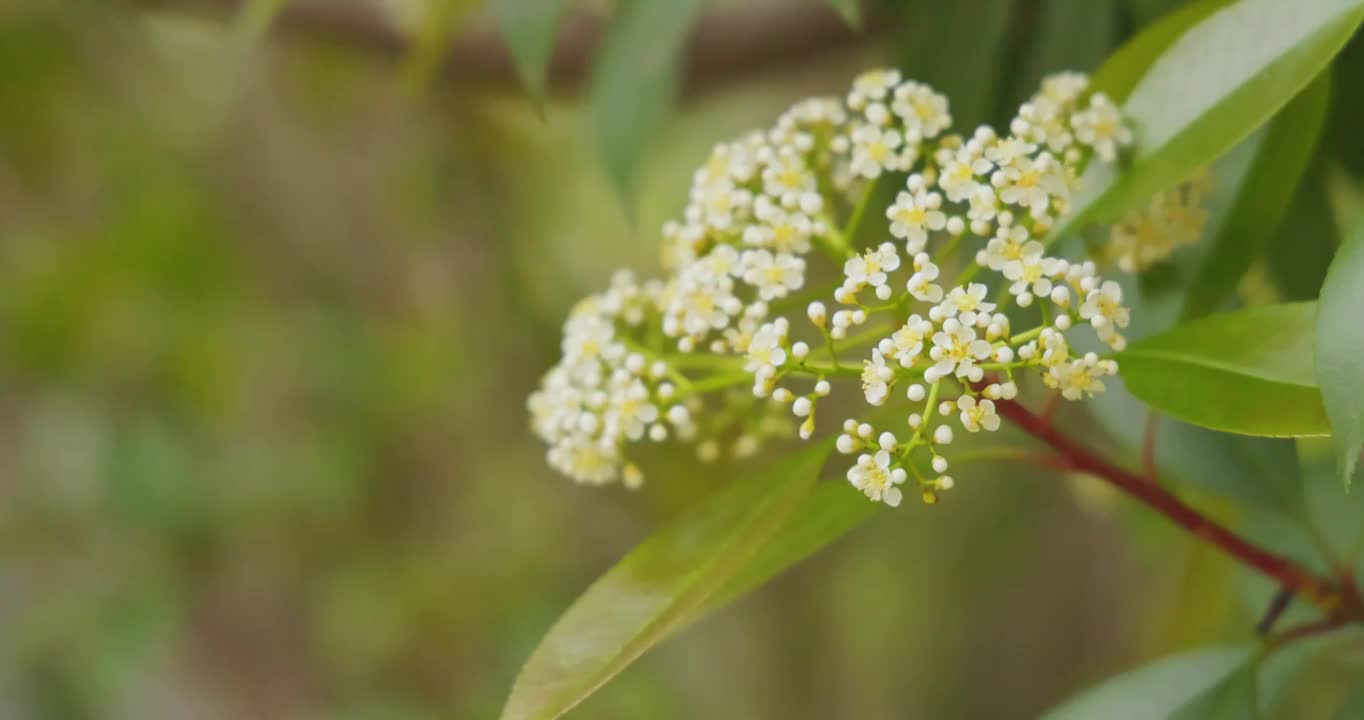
(773, 275)
(984, 205)
(1022, 184)
(782, 231)
(976, 415)
(873, 85)
(956, 350)
(960, 177)
(1032, 272)
(723, 260)
(906, 343)
(923, 111)
(1101, 127)
(966, 303)
(1009, 151)
(875, 478)
(705, 303)
(786, 177)
(876, 378)
(913, 215)
(1081, 376)
(719, 202)
(870, 268)
(921, 285)
(1006, 246)
(1104, 310)
(875, 150)
(766, 349)
(630, 410)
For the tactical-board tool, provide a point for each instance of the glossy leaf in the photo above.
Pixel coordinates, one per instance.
(1340, 351)
(1210, 88)
(660, 585)
(1248, 470)
(830, 511)
(529, 28)
(1301, 251)
(1121, 72)
(1155, 691)
(635, 81)
(1247, 372)
(1262, 200)
(1234, 698)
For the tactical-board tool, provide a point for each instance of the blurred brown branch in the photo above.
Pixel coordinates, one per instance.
(725, 43)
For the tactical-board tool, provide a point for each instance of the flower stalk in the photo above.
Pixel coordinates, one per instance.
(1337, 597)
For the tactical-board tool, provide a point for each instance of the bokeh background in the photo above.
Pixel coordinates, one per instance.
(271, 300)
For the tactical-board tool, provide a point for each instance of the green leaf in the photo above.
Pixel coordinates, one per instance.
(1234, 698)
(1155, 691)
(1066, 36)
(529, 28)
(850, 10)
(1121, 72)
(830, 511)
(1301, 252)
(1340, 351)
(1145, 12)
(1247, 372)
(659, 586)
(956, 48)
(1263, 198)
(1247, 470)
(1213, 86)
(635, 82)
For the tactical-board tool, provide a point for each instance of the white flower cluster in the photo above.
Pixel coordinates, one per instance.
(758, 210)
(603, 393)
(1171, 220)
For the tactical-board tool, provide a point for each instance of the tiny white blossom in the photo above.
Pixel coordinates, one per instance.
(876, 378)
(875, 478)
(977, 415)
(773, 275)
(913, 215)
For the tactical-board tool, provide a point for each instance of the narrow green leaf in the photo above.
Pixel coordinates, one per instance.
(850, 10)
(1340, 351)
(1066, 36)
(658, 587)
(829, 512)
(635, 81)
(1301, 251)
(1347, 106)
(956, 48)
(1145, 12)
(1263, 198)
(1247, 372)
(1213, 86)
(1234, 698)
(1155, 691)
(529, 28)
(1121, 72)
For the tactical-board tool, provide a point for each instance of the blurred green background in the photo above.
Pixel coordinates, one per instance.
(270, 305)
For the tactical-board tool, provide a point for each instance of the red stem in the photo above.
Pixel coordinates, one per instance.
(1323, 592)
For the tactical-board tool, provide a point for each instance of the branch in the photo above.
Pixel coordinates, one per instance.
(724, 44)
(1289, 574)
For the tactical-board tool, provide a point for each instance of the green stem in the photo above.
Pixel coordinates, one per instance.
(859, 211)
